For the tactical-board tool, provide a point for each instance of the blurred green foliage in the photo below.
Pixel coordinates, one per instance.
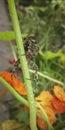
(47, 23)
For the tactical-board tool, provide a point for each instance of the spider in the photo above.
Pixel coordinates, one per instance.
(31, 50)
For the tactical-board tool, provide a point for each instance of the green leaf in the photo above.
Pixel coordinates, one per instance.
(9, 35)
(50, 55)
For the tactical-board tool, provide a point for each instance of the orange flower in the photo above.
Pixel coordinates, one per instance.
(44, 98)
(58, 101)
(52, 104)
(58, 106)
(59, 93)
(14, 82)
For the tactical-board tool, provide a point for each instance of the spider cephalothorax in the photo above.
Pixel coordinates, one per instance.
(31, 47)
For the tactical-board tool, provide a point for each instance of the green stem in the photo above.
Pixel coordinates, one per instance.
(23, 63)
(45, 117)
(47, 77)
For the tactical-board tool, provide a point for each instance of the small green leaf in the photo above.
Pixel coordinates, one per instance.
(50, 55)
(9, 35)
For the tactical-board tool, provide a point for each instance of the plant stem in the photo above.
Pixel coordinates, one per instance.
(23, 63)
(46, 119)
(47, 77)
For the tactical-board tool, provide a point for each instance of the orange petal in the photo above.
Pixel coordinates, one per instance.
(59, 93)
(51, 116)
(58, 106)
(18, 86)
(44, 98)
(7, 76)
(14, 82)
(41, 124)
